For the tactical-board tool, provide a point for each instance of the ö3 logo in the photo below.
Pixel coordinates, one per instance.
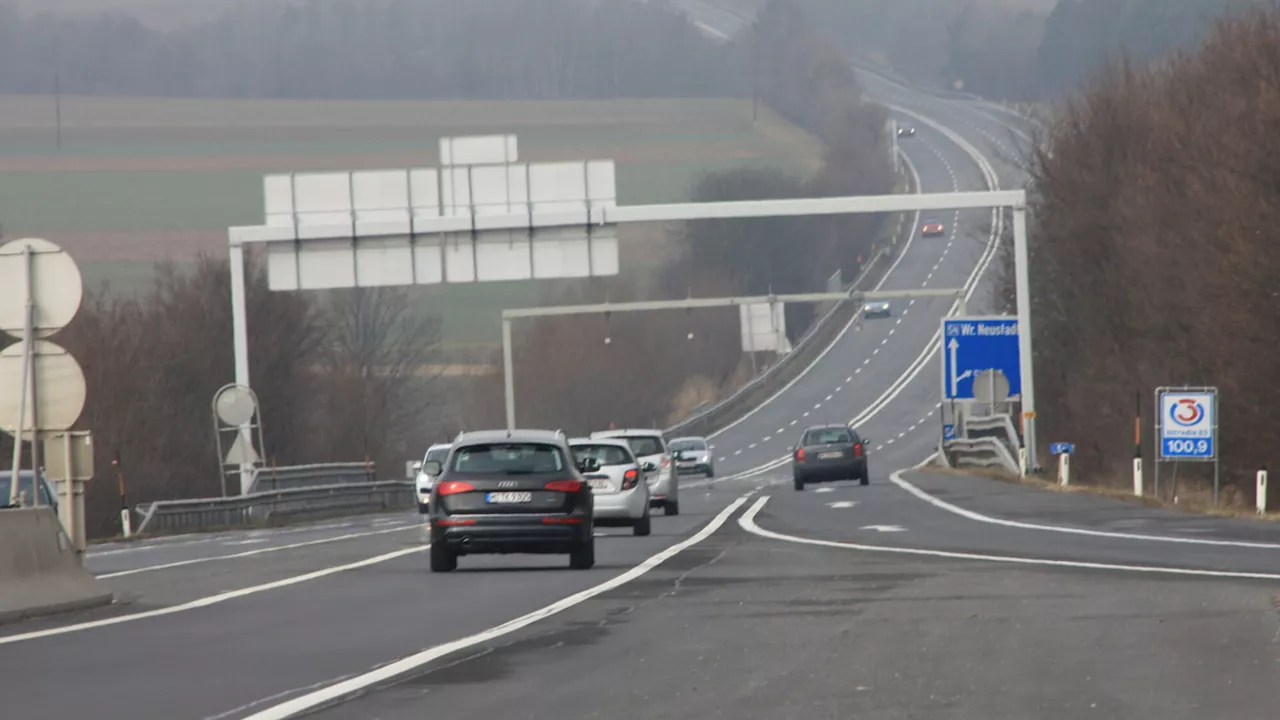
(1186, 412)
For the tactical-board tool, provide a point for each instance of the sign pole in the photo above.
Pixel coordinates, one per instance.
(1217, 455)
(1022, 264)
(508, 374)
(27, 332)
(37, 479)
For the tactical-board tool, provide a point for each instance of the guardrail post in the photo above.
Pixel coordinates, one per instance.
(1262, 491)
(1064, 469)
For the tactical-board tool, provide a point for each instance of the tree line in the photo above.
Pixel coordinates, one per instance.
(1154, 202)
(421, 49)
(1021, 49)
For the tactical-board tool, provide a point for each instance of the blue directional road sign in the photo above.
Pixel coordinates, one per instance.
(949, 432)
(1061, 448)
(973, 345)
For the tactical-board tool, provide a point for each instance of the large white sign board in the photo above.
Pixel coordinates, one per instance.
(381, 211)
(763, 327)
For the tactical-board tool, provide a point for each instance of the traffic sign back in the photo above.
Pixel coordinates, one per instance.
(972, 346)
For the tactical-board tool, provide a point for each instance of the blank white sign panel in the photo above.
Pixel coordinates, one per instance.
(384, 262)
(380, 194)
(282, 266)
(428, 260)
(478, 150)
(503, 255)
(459, 258)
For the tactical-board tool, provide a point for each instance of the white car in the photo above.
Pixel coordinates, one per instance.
(619, 494)
(439, 453)
(651, 451)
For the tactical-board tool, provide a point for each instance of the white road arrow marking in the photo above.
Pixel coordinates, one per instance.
(841, 504)
(885, 528)
(954, 346)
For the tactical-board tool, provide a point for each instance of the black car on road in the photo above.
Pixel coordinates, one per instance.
(829, 452)
(511, 491)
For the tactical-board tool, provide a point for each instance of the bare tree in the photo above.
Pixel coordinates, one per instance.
(379, 371)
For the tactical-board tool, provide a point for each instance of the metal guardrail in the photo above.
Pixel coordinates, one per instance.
(301, 476)
(272, 507)
(999, 427)
(980, 452)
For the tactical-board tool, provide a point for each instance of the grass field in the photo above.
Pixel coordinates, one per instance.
(139, 180)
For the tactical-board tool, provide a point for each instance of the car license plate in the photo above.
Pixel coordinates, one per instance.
(598, 484)
(829, 455)
(509, 497)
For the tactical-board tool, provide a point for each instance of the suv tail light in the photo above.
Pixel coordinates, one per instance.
(666, 461)
(630, 479)
(800, 455)
(564, 486)
(453, 487)
(857, 450)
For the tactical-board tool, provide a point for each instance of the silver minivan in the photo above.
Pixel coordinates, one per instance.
(650, 448)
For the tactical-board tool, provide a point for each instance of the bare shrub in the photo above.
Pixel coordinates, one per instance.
(1151, 261)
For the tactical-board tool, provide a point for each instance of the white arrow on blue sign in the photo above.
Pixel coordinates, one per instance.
(974, 345)
(1061, 448)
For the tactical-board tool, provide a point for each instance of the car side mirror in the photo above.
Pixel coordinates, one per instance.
(589, 465)
(432, 467)
(678, 454)
(649, 467)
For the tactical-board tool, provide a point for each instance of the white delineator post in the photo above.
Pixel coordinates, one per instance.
(1262, 491)
(1137, 477)
(1064, 469)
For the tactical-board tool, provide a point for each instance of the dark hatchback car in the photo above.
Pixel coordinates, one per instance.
(515, 491)
(829, 452)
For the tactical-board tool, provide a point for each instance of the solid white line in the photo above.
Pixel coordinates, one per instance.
(748, 522)
(251, 553)
(896, 477)
(413, 662)
(212, 599)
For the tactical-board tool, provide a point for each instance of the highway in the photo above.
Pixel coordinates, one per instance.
(924, 595)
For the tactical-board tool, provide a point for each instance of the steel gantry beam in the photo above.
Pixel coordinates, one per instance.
(413, 222)
(508, 360)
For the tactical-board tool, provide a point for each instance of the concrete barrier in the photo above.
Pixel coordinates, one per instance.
(40, 573)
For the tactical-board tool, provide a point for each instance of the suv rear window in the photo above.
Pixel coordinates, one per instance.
(605, 454)
(644, 445)
(507, 459)
(827, 436)
(679, 445)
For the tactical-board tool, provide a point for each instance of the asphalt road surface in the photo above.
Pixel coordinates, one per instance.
(919, 596)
